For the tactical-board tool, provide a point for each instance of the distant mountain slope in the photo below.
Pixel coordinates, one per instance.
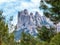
(28, 23)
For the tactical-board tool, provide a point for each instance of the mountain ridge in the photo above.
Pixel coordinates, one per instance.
(29, 23)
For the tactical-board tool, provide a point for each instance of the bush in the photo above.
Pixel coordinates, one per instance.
(42, 43)
(55, 40)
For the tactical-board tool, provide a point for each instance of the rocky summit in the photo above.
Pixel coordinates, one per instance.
(28, 22)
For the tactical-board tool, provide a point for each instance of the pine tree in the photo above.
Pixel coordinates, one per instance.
(51, 9)
(27, 39)
(55, 40)
(5, 37)
(45, 34)
(3, 29)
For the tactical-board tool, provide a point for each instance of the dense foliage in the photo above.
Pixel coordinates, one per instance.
(27, 39)
(5, 37)
(51, 9)
(55, 40)
(45, 34)
(3, 29)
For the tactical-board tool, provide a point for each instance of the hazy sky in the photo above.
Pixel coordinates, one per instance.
(11, 7)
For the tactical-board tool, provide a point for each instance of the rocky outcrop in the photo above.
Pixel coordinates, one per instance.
(28, 22)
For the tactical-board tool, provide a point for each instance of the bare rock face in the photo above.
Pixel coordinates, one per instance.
(38, 19)
(25, 11)
(28, 22)
(23, 18)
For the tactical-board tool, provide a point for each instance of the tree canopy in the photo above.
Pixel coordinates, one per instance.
(51, 9)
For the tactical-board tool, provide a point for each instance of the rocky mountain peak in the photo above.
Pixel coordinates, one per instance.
(29, 22)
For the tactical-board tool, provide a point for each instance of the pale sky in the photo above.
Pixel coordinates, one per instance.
(11, 7)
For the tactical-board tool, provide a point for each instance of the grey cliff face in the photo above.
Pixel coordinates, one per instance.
(38, 19)
(28, 22)
(25, 11)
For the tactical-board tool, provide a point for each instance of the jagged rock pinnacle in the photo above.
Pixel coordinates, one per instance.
(28, 22)
(31, 13)
(25, 11)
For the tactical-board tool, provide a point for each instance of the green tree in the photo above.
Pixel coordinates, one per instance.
(5, 37)
(42, 43)
(51, 9)
(11, 39)
(55, 40)
(45, 34)
(27, 39)
(3, 29)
